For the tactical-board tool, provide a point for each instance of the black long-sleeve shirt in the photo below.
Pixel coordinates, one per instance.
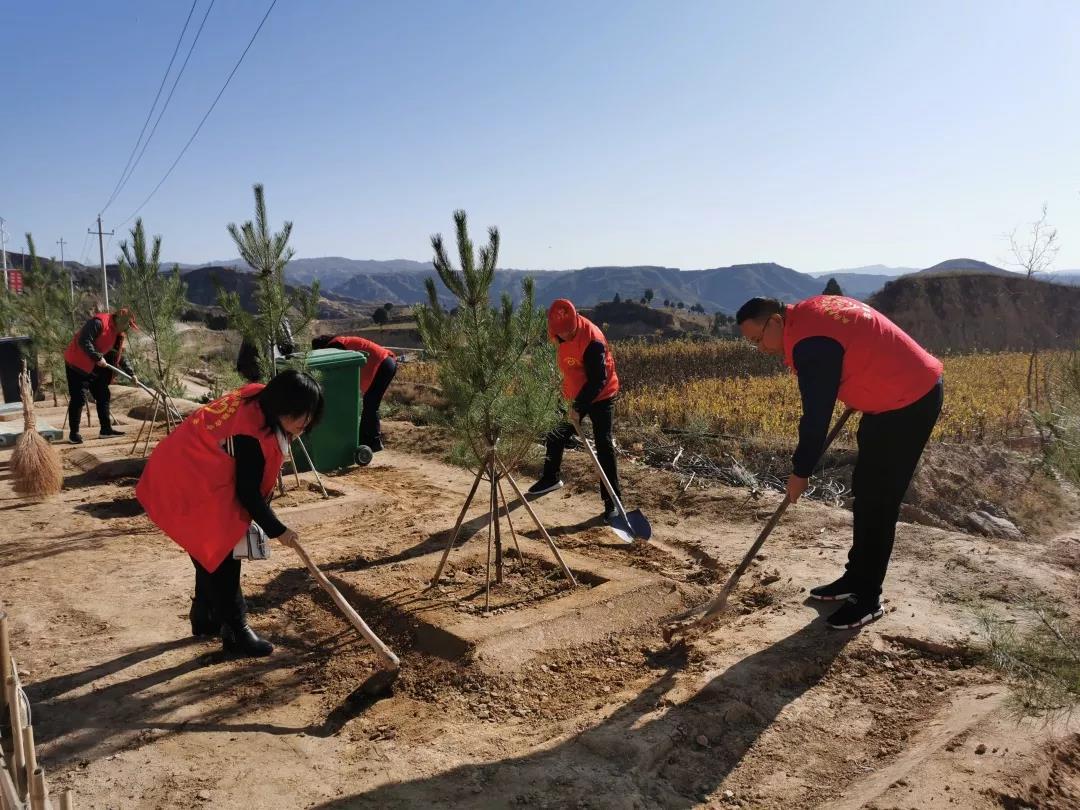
(595, 364)
(90, 332)
(819, 362)
(250, 465)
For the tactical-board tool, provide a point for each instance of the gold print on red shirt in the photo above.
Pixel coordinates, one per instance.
(844, 310)
(218, 412)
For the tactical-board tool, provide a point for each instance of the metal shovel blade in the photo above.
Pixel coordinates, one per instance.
(635, 527)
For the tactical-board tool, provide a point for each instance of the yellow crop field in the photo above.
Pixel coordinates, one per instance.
(729, 387)
(984, 399)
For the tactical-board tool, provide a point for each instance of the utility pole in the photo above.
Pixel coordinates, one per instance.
(71, 279)
(101, 250)
(3, 249)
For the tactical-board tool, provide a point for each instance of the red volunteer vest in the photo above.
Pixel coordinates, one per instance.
(189, 485)
(375, 356)
(884, 369)
(571, 357)
(75, 357)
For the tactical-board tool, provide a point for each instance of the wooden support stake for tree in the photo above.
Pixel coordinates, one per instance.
(29, 753)
(296, 472)
(149, 429)
(311, 464)
(492, 517)
(39, 791)
(510, 523)
(67, 801)
(5, 658)
(9, 794)
(18, 760)
(495, 520)
(457, 526)
(539, 525)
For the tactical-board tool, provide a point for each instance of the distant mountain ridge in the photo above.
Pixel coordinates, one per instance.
(401, 281)
(869, 270)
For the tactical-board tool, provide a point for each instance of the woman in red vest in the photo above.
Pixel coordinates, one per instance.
(207, 486)
(590, 385)
(375, 378)
(100, 342)
(843, 349)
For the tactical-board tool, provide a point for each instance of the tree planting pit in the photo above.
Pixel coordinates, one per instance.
(530, 613)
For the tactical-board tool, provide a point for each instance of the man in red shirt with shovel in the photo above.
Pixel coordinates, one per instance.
(99, 344)
(843, 349)
(590, 384)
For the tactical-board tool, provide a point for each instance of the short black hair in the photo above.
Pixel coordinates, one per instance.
(322, 341)
(291, 393)
(758, 309)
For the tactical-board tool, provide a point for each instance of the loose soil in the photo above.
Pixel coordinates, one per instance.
(465, 585)
(769, 710)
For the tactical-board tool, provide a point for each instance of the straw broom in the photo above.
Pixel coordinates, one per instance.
(35, 464)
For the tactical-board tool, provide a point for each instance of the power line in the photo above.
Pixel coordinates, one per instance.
(172, 90)
(221, 92)
(124, 174)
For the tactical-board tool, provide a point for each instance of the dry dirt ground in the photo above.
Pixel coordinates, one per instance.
(769, 710)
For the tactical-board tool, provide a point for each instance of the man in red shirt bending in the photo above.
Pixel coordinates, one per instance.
(375, 378)
(590, 385)
(843, 349)
(98, 344)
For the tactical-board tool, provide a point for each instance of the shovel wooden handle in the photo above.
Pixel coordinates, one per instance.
(713, 608)
(600, 470)
(386, 655)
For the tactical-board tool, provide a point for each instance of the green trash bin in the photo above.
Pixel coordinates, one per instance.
(333, 443)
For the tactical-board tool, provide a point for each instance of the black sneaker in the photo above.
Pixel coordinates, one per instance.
(855, 613)
(110, 432)
(75, 438)
(838, 591)
(609, 514)
(543, 487)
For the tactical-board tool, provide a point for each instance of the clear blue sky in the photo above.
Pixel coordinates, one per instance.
(690, 134)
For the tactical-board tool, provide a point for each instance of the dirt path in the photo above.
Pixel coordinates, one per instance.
(770, 710)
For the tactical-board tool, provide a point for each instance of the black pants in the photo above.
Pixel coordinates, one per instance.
(219, 590)
(78, 384)
(370, 429)
(601, 415)
(890, 445)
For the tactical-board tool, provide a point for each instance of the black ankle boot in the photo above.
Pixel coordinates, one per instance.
(240, 639)
(202, 618)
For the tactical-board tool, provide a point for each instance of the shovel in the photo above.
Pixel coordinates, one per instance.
(629, 526)
(678, 624)
(391, 666)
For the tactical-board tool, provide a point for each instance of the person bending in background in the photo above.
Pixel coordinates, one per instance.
(375, 378)
(99, 344)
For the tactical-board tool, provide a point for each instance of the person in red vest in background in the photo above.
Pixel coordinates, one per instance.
(207, 486)
(589, 383)
(843, 349)
(100, 342)
(375, 378)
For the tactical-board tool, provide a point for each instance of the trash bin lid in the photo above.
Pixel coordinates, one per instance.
(331, 358)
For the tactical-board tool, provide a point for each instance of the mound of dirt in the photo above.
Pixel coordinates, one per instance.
(957, 482)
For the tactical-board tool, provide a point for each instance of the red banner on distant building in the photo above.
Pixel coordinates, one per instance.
(15, 281)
